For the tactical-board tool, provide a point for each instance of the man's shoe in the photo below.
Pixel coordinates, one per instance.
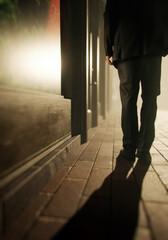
(127, 155)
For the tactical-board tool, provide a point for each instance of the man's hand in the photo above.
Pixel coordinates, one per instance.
(109, 60)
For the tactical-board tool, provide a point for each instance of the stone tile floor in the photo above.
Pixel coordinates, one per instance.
(96, 196)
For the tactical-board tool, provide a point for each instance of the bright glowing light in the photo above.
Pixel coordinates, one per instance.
(36, 63)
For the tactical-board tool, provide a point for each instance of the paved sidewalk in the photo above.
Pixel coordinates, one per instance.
(94, 196)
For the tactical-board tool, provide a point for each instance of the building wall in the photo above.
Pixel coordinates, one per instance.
(163, 98)
(34, 115)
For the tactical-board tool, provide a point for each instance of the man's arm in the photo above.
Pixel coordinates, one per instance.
(110, 25)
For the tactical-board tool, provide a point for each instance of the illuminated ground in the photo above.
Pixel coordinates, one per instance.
(114, 199)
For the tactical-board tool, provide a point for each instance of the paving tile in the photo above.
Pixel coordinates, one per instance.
(143, 233)
(158, 214)
(84, 164)
(65, 201)
(100, 181)
(108, 139)
(19, 227)
(79, 172)
(117, 140)
(93, 146)
(88, 156)
(105, 152)
(142, 218)
(118, 135)
(153, 150)
(165, 154)
(160, 146)
(46, 228)
(108, 145)
(156, 140)
(162, 171)
(158, 159)
(99, 133)
(164, 140)
(103, 162)
(151, 187)
(108, 153)
(54, 183)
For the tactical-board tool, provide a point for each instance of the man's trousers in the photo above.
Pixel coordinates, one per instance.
(147, 72)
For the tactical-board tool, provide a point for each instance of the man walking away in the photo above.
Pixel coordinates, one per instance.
(136, 38)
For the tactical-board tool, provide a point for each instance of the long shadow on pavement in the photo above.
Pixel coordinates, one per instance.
(111, 212)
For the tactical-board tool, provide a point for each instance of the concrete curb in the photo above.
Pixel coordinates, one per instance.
(18, 193)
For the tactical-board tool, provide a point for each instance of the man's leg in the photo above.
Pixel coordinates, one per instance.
(150, 90)
(129, 88)
(147, 130)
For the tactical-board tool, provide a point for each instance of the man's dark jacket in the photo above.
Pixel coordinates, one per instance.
(135, 28)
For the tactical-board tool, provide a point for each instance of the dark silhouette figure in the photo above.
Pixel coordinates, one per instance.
(111, 211)
(136, 38)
